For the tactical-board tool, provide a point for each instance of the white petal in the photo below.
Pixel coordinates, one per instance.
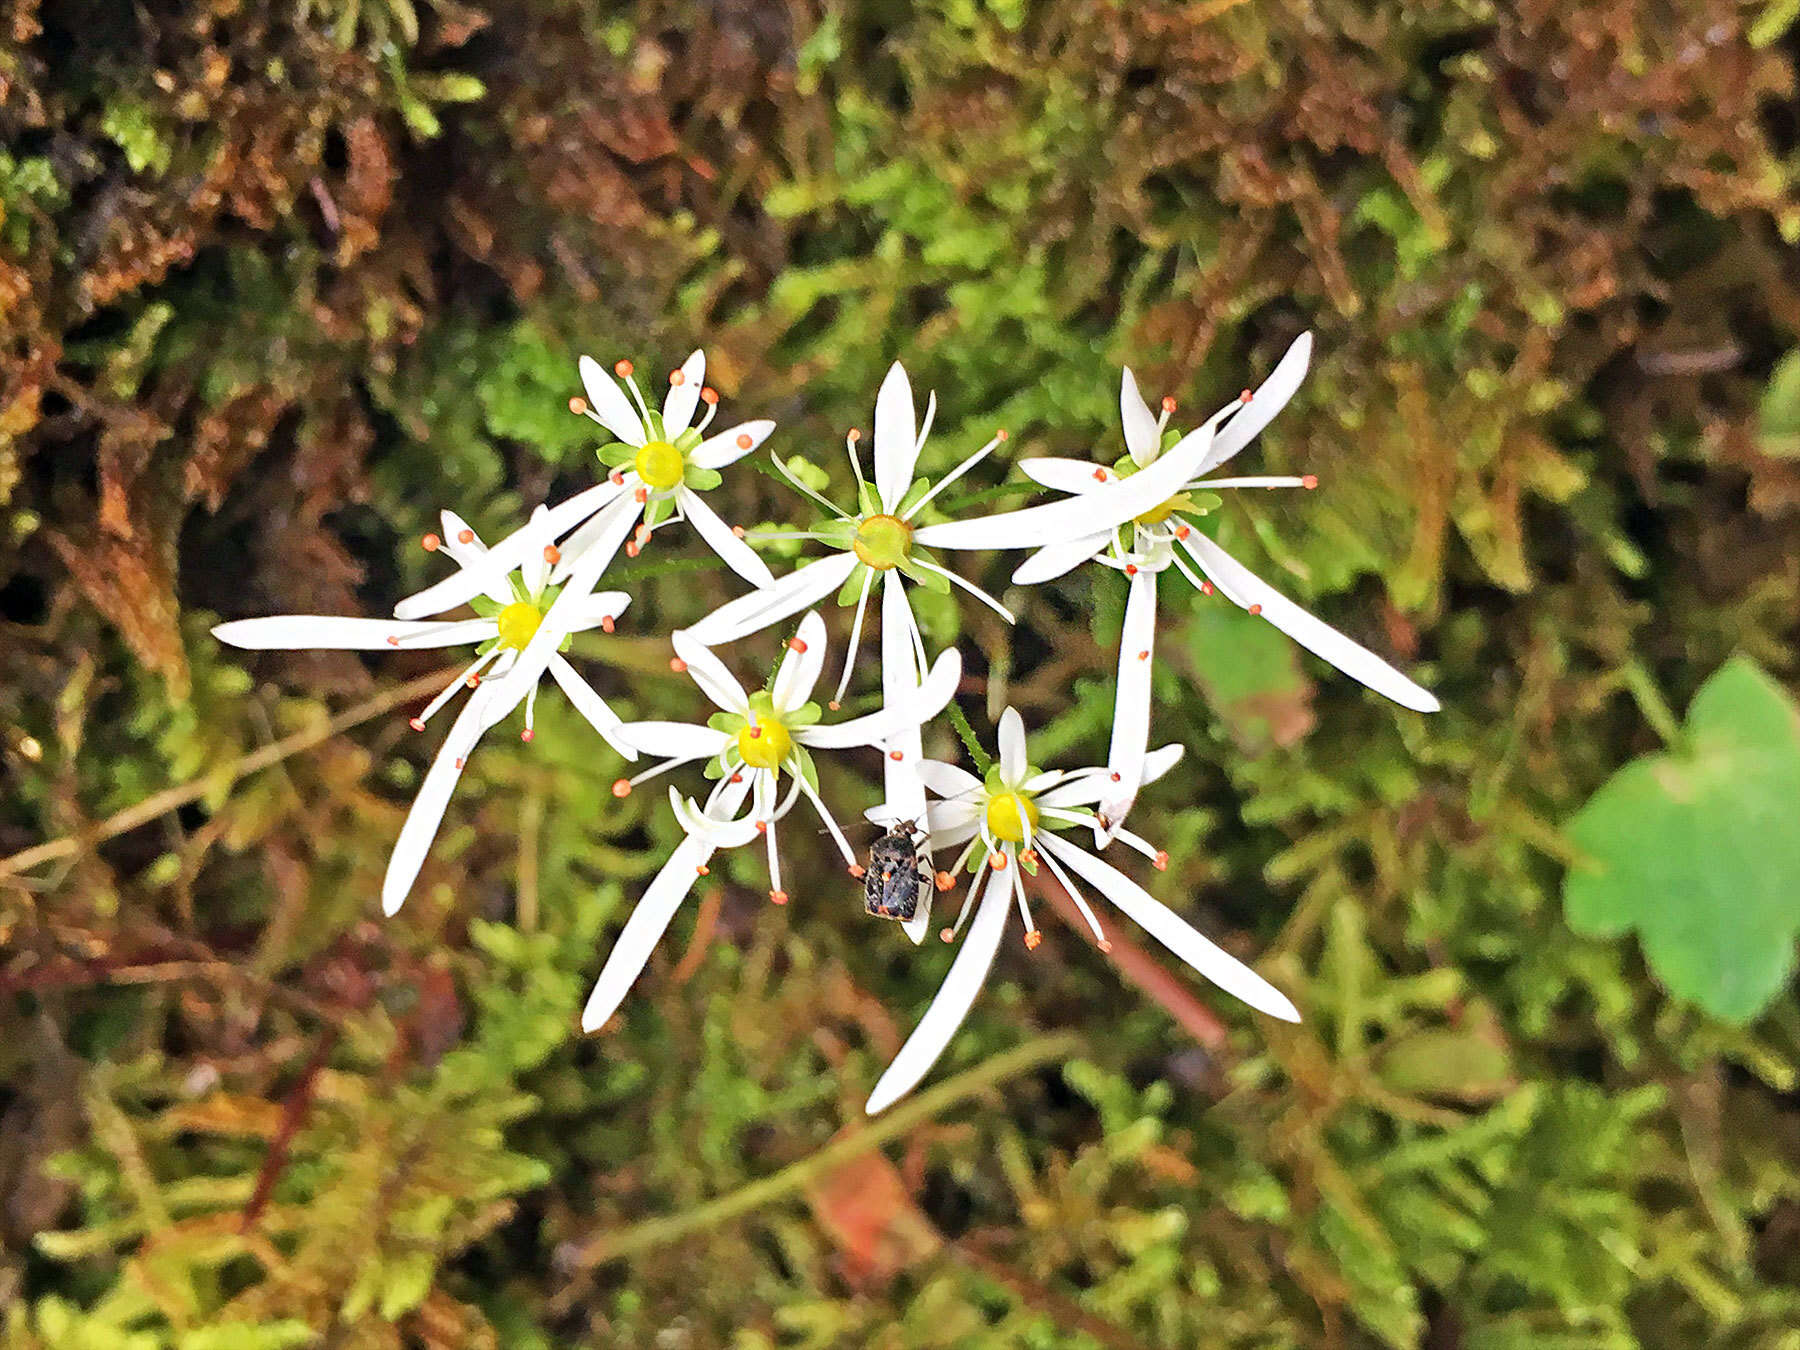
(427, 811)
(954, 998)
(1324, 641)
(1141, 437)
(295, 632)
(801, 665)
(678, 406)
(897, 724)
(597, 608)
(731, 445)
(1106, 506)
(1160, 760)
(534, 569)
(673, 740)
(1271, 397)
(473, 554)
(798, 590)
(1055, 560)
(609, 403)
(719, 833)
(715, 681)
(1131, 706)
(650, 919)
(896, 438)
(903, 791)
(947, 780)
(738, 555)
(1174, 932)
(490, 570)
(1013, 757)
(598, 527)
(1066, 475)
(590, 705)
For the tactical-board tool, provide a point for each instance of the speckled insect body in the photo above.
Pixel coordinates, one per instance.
(895, 874)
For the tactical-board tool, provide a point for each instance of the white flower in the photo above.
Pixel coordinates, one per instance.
(878, 542)
(512, 607)
(1161, 536)
(1007, 822)
(748, 745)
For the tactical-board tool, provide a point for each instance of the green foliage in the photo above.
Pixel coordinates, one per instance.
(1695, 848)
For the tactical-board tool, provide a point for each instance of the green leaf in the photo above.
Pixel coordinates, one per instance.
(1697, 849)
(1780, 416)
(701, 480)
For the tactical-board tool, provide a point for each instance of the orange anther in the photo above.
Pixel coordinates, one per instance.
(465, 536)
(677, 377)
(853, 435)
(460, 761)
(796, 645)
(1105, 946)
(431, 543)
(677, 665)
(1245, 397)
(1256, 609)
(606, 623)
(616, 477)
(778, 897)
(997, 861)
(744, 441)
(1161, 860)
(622, 787)
(1144, 655)
(552, 554)
(641, 495)
(1032, 939)
(762, 827)
(1099, 475)
(755, 732)
(1206, 588)
(947, 934)
(1183, 531)
(737, 777)
(1115, 776)
(527, 735)
(1310, 482)
(834, 705)
(856, 870)
(622, 369)
(578, 406)
(944, 881)
(393, 641)
(708, 394)
(1131, 569)
(739, 531)
(1168, 403)
(1000, 434)
(474, 681)
(702, 870)
(632, 549)
(416, 723)
(896, 755)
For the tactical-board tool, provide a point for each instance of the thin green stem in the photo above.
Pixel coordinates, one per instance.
(1652, 705)
(966, 734)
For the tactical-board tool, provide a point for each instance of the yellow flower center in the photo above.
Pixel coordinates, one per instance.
(660, 465)
(518, 624)
(764, 744)
(883, 542)
(1010, 815)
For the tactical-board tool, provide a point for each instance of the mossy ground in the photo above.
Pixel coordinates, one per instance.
(279, 279)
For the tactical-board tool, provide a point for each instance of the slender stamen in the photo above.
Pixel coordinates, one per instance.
(862, 603)
(637, 396)
(449, 691)
(851, 437)
(712, 408)
(1132, 841)
(951, 477)
(1032, 935)
(652, 772)
(423, 635)
(793, 480)
(1256, 481)
(831, 825)
(968, 586)
(1081, 903)
(530, 708)
(1199, 583)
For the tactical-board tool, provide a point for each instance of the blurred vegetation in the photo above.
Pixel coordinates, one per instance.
(278, 280)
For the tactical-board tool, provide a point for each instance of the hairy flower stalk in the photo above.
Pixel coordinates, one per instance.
(511, 606)
(748, 746)
(1166, 535)
(1007, 824)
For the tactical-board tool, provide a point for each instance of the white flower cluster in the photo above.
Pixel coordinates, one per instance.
(534, 590)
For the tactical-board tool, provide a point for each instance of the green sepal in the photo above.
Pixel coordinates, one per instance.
(835, 534)
(919, 576)
(868, 499)
(991, 779)
(484, 605)
(853, 584)
(618, 455)
(688, 440)
(701, 480)
(516, 580)
(919, 488)
(1028, 865)
(657, 510)
(803, 716)
(729, 723)
(1201, 503)
(977, 860)
(1124, 466)
(1170, 437)
(801, 762)
(762, 703)
(715, 769)
(490, 645)
(653, 424)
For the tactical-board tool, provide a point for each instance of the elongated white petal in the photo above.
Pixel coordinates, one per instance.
(946, 816)
(738, 555)
(1079, 476)
(674, 740)
(897, 724)
(609, 403)
(1055, 560)
(427, 811)
(678, 406)
(719, 833)
(534, 568)
(1108, 505)
(596, 530)
(488, 573)
(709, 672)
(731, 445)
(1131, 705)
(801, 665)
(295, 632)
(947, 780)
(798, 590)
(590, 705)
(1358, 662)
(896, 438)
(1013, 757)
(597, 608)
(650, 919)
(1160, 760)
(1085, 787)
(954, 997)
(1140, 423)
(1271, 397)
(1174, 932)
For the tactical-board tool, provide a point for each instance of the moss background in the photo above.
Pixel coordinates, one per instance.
(279, 278)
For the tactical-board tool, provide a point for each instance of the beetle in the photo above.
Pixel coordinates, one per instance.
(895, 873)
